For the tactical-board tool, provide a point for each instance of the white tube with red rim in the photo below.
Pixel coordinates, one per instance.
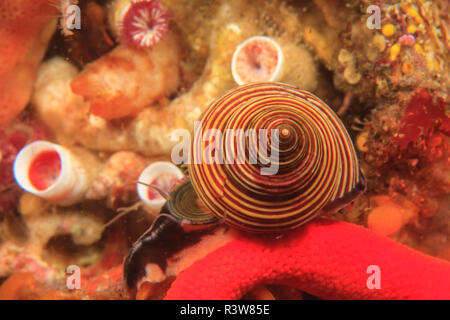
(162, 174)
(257, 59)
(51, 172)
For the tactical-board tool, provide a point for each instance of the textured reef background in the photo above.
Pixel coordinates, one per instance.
(115, 105)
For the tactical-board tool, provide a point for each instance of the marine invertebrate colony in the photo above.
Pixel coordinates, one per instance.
(135, 73)
(150, 131)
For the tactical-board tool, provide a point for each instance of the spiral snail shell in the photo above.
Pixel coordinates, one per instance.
(317, 166)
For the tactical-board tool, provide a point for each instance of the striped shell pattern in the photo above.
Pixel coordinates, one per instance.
(266, 125)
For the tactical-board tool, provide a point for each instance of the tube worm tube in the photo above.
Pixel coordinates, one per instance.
(256, 59)
(52, 172)
(162, 174)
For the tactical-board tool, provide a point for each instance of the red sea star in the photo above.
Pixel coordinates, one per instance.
(326, 258)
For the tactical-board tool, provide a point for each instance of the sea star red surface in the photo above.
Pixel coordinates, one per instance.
(328, 259)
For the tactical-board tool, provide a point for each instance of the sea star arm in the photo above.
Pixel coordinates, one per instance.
(326, 258)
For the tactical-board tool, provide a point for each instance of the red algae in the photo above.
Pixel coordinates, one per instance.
(423, 116)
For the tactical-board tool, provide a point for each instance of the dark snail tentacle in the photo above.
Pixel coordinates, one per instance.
(285, 156)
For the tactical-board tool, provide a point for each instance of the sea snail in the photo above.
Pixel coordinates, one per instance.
(284, 158)
(280, 158)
